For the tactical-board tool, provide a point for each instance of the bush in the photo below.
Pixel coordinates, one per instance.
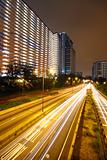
(96, 145)
(102, 88)
(87, 133)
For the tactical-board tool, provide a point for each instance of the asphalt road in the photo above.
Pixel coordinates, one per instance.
(101, 103)
(101, 106)
(17, 119)
(45, 139)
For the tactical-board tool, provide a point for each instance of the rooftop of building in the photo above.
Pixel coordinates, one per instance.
(102, 61)
(37, 16)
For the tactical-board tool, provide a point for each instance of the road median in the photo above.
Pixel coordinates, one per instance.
(89, 143)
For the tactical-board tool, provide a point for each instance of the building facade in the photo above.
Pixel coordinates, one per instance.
(26, 39)
(66, 55)
(54, 55)
(99, 70)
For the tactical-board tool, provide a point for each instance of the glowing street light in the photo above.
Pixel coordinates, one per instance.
(69, 78)
(97, 82)
(35, 72)
(56, 78)
(104, 82)
(20, 80)
(43, 87)
(73, 82)
(51, 71)
(76, 78)
(67, 82)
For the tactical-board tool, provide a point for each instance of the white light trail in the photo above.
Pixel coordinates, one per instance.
(101, 103)
(15, 148)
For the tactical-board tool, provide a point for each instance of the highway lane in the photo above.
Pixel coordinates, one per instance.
(17, 109)
(25, 119)
(26, 113)
(14, 122)
(53, 147)
(101, 103)
(39, 139)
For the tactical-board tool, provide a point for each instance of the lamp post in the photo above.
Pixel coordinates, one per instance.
(21, 81)
(43, 88)
(104, 82)
(76, 78)
(69, 78)
(73, 85)
(51, 71)
(56, 78)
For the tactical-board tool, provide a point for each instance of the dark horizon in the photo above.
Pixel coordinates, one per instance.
(85, 23)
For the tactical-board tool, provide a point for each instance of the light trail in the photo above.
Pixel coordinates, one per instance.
(14, 110)
(58, 132)
(63, 118)
(101, 103)
(10, 121)
(58, 115)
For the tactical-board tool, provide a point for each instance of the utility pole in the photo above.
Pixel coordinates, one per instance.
(43, 88)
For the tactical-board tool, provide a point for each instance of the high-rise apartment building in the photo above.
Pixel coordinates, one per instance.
(99, 70)
(25, 39)
(54, 56)
(66, 54)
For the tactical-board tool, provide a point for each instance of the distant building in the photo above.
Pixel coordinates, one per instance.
(78, 74)
(66, 54)
(99, 70)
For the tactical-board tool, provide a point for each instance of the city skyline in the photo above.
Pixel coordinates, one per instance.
(53, 80)
(85, 23)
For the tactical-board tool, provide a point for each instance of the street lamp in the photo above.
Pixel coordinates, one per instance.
(76, 78)
(97, 82)
(43, 88)
(51, 71)
(104, 82)
(67, 82)
(69, 78)
(43, 85)
(73, 82)
(56, 78)
(35, 72)
(21, 82)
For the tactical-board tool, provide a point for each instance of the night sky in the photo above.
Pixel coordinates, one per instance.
(85, 21)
